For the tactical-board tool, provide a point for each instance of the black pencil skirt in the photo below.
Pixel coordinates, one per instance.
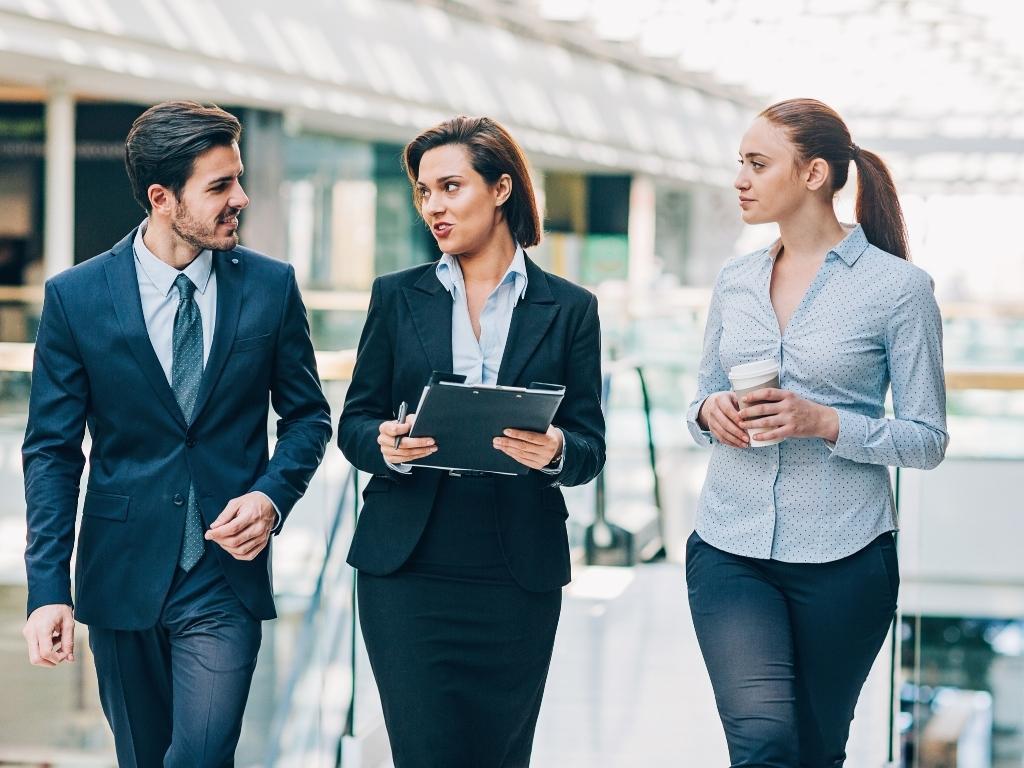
(460, 652)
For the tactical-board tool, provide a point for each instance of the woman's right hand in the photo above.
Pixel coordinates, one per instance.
(720, 414)
(410, 449)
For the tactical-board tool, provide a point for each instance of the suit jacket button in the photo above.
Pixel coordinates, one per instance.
(190, 442)
(179, 500)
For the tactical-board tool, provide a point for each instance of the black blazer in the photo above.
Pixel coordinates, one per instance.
(94, 363)
(555, 337)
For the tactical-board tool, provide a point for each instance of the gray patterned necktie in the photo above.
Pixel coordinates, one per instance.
(186, 373)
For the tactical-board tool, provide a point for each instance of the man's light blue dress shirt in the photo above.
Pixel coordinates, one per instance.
(160, 303)
(868, 320)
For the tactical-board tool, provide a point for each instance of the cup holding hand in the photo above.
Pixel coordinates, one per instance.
(720, 414)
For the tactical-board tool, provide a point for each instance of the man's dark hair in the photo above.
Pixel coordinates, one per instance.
(166, 139)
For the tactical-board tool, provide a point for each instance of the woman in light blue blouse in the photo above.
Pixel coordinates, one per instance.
(792, 571)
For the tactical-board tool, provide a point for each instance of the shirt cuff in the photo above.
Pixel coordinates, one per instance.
(402, 469)
(277, 522)
(549, 470)
(700, 436)
(852, 433)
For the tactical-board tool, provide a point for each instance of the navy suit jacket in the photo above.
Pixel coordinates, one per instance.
(95, 365)
(555, 336)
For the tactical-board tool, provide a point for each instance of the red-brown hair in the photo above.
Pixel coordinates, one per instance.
(817, 130)
(492, 152)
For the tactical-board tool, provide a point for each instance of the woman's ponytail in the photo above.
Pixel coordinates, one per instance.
(817, 130)
(878, 206)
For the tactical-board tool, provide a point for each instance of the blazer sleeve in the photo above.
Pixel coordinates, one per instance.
(304, 423)
(52, 456)
(580, 416)
(368, 400)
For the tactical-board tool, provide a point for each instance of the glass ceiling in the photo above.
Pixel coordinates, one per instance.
(916, 59)
(938, 85)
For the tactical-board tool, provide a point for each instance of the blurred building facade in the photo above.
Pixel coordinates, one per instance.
(328, 93)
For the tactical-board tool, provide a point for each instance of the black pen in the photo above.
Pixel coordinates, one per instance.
(403, 409)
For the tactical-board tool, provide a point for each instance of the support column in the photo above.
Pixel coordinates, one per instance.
(59, 206)
(642, 214)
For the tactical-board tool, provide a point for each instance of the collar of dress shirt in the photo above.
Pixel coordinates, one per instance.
(162, 275)
(449, 273)
(849, 249)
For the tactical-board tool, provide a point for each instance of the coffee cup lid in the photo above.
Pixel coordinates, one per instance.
(757, 368)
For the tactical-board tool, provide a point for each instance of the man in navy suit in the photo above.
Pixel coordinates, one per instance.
(169, 347)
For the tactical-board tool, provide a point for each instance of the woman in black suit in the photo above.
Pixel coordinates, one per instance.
(460, 576)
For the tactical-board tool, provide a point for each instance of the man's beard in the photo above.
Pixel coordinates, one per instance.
(199, 235)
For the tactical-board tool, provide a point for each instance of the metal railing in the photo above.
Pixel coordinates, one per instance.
(606, 543)
(290, 726)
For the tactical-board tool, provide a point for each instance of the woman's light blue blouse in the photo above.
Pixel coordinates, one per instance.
(868, 320)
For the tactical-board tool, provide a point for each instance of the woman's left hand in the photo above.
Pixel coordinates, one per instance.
(533, 449)
(786, 414)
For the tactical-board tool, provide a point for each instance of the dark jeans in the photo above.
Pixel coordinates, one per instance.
(789, 645)
(174, 694)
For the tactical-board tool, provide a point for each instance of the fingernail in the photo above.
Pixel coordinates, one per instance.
(506, 432)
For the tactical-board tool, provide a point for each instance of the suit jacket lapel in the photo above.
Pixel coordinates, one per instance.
(123, 282)
(531, 319)
(230, 270)
(430, 307)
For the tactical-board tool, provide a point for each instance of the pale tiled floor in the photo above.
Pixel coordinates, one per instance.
(627, 685)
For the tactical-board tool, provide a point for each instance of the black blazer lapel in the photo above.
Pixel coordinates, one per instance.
(230, 270)
(531, 319)
(123, 283)
(430, 307)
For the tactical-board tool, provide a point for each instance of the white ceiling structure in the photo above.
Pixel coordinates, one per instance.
(936, 85)
(663, 87)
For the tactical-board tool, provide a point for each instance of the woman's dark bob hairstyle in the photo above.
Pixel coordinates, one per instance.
(492, 152)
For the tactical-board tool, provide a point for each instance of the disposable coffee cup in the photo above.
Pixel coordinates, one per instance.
(749, 377)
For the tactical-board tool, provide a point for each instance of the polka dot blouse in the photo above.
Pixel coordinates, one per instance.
(867, 322)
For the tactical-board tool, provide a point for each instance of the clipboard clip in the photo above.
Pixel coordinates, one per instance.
(438, 377)
(547, 387)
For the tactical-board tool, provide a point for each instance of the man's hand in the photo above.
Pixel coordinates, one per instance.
(409, 449)
(533, 449)
(719, 415)
(50, 634)
(243, 528)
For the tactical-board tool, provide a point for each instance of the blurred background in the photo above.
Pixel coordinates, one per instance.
(631, 114)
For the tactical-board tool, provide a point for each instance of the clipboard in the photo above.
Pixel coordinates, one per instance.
(465, 418)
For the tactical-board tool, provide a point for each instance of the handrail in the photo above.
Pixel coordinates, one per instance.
(320, 300)
(333, 365)
(681, 297)
(601, 534)
(308, 630)
(337, 365)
